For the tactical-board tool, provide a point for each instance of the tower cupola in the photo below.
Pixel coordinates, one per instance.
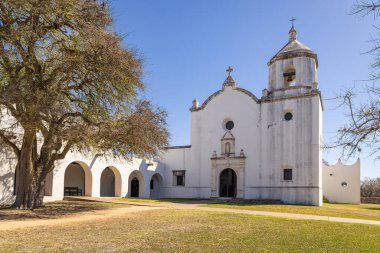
(294, 66)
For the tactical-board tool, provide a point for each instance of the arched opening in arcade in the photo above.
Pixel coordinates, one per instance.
(78, 180)
(156, 183)
(110, 182)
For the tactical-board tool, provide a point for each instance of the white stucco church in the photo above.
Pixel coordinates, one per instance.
(241, 146)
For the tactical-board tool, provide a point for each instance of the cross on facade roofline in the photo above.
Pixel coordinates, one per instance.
(229, 70)
(292, 20)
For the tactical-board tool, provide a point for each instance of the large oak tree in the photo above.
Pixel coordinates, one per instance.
(67, 83)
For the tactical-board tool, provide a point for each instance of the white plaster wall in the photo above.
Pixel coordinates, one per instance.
(335, 175)
(208, 129)
(291, 144)
(179, 159)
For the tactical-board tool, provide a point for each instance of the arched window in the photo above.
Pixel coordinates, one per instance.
(289, 76)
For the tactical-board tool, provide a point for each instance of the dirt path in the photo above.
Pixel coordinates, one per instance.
(133, 207)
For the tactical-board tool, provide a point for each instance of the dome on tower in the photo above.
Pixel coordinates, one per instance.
(293, 48)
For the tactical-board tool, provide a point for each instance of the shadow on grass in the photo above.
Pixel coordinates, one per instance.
(163, 200)
(53, 210)
(250, 203)
(238, 202)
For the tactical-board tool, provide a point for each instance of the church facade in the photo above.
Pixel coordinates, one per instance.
(241, 146)
(251, 148)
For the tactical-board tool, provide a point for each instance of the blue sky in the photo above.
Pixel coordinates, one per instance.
(187, 45)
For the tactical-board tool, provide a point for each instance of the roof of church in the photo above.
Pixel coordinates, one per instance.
(293, 48)
(294, 45)
(246, 92)
(229, 82)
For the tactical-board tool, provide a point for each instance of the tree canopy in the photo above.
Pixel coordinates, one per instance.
(67, 82)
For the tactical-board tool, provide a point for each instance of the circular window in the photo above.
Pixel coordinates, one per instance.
(344, 184)
(288, 116)
(229, 125)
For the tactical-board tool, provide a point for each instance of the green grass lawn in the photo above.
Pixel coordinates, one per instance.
(155, 200)
(181, 230)
(363, 211)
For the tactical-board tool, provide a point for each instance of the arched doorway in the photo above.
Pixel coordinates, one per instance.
(156, 186)
(135, 187)
(78, 180)
(227, 184)
(110, 182)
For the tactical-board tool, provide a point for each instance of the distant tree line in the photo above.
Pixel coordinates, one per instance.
(370, 187)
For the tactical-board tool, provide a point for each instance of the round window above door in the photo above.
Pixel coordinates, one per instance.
(229, 125)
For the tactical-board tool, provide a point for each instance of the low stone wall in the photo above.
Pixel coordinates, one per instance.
(370, 200)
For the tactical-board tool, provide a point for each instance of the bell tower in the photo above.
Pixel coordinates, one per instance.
(292, 123)
(294, 68)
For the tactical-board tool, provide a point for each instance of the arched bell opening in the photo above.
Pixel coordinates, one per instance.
(289, 76)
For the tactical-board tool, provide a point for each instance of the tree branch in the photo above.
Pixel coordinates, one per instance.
(66, 149)
(10, 143)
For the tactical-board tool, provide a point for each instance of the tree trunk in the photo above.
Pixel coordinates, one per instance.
(29, 191)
